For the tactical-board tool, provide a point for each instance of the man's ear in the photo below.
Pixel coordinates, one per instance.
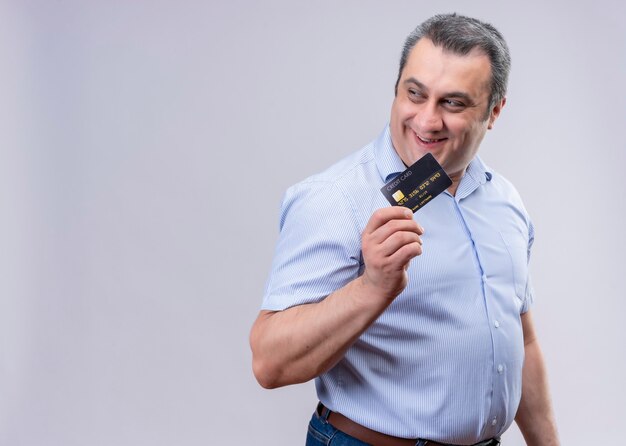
(495, 112)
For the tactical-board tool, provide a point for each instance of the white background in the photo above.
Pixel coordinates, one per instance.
(144, 150)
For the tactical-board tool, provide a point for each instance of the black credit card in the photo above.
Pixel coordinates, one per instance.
(418, 185)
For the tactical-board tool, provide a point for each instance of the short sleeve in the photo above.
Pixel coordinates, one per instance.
(318, 249)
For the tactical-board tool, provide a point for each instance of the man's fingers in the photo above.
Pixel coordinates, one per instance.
(383, 215)
(397, 240)
(404, 255)
(393, 226)
(396, 254)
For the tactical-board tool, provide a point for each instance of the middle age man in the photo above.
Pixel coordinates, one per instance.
(415, 335)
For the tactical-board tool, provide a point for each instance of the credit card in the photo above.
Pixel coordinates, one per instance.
(418, 185)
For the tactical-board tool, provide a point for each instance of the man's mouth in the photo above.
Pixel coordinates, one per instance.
(430, 140)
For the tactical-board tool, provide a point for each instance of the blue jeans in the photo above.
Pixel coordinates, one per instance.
(322, 433)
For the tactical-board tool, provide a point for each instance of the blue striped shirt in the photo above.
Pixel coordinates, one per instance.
(444, 361)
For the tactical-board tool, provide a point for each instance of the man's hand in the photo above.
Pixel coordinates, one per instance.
(389, 242)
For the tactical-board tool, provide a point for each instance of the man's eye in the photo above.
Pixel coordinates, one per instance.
(453, 104)
(414, 94)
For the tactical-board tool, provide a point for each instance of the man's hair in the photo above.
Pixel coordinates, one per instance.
(460, 35)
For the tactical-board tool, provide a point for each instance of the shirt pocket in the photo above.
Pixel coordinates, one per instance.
(516, 243)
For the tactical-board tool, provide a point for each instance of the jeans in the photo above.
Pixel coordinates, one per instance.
(322, 433)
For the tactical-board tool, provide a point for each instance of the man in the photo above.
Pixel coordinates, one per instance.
(416, 328)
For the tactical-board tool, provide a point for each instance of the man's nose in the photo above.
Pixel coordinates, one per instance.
(428, 118)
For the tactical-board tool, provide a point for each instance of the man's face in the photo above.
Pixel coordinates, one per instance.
(441, 107)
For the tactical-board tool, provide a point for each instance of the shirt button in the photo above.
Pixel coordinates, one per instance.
(500, 368)
(494, 421)
(496, 324)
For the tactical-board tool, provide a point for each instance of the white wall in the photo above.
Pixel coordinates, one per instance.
(144, 150)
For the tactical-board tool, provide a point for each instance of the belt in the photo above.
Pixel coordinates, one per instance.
(347, 426)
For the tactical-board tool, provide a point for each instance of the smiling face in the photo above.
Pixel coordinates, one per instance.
(442, 107)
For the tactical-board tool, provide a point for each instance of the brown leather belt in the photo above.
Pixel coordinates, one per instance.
(347, 426)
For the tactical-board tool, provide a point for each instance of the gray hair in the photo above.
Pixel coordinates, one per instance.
(460, 35)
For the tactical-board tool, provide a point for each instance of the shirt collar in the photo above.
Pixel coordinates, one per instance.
(387, 160)
(479, 171)
(476, 174)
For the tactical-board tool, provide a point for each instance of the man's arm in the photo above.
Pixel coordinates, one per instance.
(300, 343)
(535, 416)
